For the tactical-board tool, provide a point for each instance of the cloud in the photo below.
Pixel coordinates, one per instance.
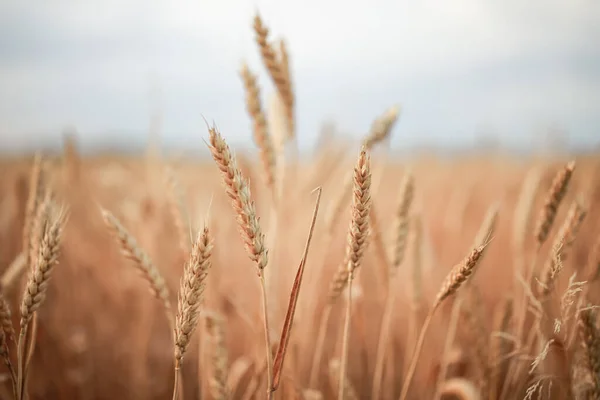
(454, 66)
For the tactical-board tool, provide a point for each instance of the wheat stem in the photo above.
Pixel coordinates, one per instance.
(415, 358)
(345, 340)
(319, 346)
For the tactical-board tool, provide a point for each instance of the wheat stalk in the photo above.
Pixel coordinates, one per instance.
(401, 234)
(37, 284)
(294, 294)
(455, 279)
(191, 291)
(239, 193)
(357, 241)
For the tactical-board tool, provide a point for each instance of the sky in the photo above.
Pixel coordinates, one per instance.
(459, 69)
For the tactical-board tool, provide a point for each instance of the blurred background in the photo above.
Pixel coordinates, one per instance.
(467, 73)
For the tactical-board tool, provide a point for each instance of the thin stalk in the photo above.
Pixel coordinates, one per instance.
(384, 334)
(453, 324)
(272, 274)
(415, 357)
(201, 388)
(21, 361)
(267, 337)
(318, 355)
(522, 319)
(345, 340)
(29, 346)
(176, 381)
(411, 338)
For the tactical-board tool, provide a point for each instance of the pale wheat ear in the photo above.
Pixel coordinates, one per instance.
(141, 261)
(261, 134)
(238, 191)
(552, 202)
(37, 283)
(190, 297)
(358, 233)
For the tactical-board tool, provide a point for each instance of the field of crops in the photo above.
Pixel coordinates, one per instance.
(350, 273)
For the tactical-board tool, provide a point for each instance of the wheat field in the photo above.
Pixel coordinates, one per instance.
(349, 273)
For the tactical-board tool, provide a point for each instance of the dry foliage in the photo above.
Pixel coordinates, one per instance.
(516, 318)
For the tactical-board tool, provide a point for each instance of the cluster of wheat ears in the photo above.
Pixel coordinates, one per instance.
(544, 341)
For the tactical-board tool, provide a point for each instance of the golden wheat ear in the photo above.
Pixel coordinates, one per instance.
(140, 260)
(552, 201)
(37, 285)
(260, 131)
(249, 226)
(358, 233)
(191, 291)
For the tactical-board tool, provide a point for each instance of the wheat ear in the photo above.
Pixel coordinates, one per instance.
(357, 242)
(141, 261)
(191, 290)
(382, 127)
(239, 193)
(37, 284)
(278, 71)
(552, 201)
(260, 131)
(287, 89)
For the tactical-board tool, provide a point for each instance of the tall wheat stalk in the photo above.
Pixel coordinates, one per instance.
(239, 193)
(357, 242)
(400, 242)
(191, 292)
(455, 279)
(37, 284)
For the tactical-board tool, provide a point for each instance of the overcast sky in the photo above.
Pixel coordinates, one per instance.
(458, 68)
